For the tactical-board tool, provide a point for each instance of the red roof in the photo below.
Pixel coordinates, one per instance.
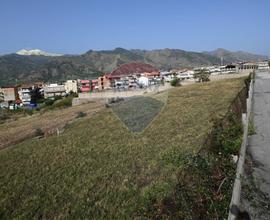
(133, 68)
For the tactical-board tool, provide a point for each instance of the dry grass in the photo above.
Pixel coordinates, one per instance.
(99, 169)
(25, 127)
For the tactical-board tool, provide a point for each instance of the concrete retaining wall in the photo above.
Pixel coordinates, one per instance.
(235, 200)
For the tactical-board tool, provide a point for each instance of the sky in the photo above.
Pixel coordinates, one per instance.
(76, 26)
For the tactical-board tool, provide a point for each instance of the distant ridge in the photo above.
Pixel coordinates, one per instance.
(238, 56)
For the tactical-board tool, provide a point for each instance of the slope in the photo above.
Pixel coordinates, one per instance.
(100, 169)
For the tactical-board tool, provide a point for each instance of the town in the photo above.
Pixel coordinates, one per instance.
(131, 77)
(141, 110)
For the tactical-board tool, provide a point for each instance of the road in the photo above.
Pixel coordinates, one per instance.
(257, 190)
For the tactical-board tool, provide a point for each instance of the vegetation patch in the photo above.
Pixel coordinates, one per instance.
(137, 112)
(98, 169)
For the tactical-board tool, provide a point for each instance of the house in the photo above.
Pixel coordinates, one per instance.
(228, 69)
(10, 94)
(84, 85)
(167, 75)
(53, 90)
(263, 65)
(24, 92)
(188, 74)
(143, 81)
(127, 75)
(94, 85)
(105, 82)
(249, 66)
(71, 86)
(11, 98)
(1, 95)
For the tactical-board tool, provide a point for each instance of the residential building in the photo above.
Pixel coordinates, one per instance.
(104, 82)
(10, 94)
(84, 85)
(94, 84)
(249, 66)
(71, 86)
(143, 81)
(24, 92)
(1, 95)
(189, 74)
(229, 69)
(263, 65)
(53, 90)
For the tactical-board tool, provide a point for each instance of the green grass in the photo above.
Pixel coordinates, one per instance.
(99, 169)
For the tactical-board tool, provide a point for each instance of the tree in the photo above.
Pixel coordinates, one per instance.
(35, 95)
(202, 75)
(175, 82)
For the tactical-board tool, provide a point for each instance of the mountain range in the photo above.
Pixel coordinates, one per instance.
(37, 65)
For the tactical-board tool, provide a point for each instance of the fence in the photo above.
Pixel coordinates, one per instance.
(235, 200)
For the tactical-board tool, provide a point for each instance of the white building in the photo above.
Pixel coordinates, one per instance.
(143, 81)
(71, 86)
(53, 90)
(25, 95)
(263, 65)
(189, 74)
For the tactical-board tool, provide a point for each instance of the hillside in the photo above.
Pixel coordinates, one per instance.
(18, 68)
(239, 56)
(174, 58)
(99, 168)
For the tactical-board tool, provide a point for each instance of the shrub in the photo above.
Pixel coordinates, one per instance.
(175, 82)
(202, 76)
(115, 100)
(58, 97)
(66, 102)
(29, 111)
(39, 132)
(81, 114)
(49, 102)
(4, 115)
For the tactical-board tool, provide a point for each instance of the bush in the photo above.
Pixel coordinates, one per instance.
(58, 97)
(29, 111)
(39, 132)
(81, 115)
(115, 100)
(49, 102)
(202, 76)
(4, 115)
(175, 82)
(66, 102)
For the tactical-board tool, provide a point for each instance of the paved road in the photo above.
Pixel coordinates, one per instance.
(259, 151)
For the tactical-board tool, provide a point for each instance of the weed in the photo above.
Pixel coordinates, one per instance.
(81, 115)
(39, 132)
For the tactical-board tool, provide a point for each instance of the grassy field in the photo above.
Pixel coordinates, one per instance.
(22, 128)
(99, 169)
